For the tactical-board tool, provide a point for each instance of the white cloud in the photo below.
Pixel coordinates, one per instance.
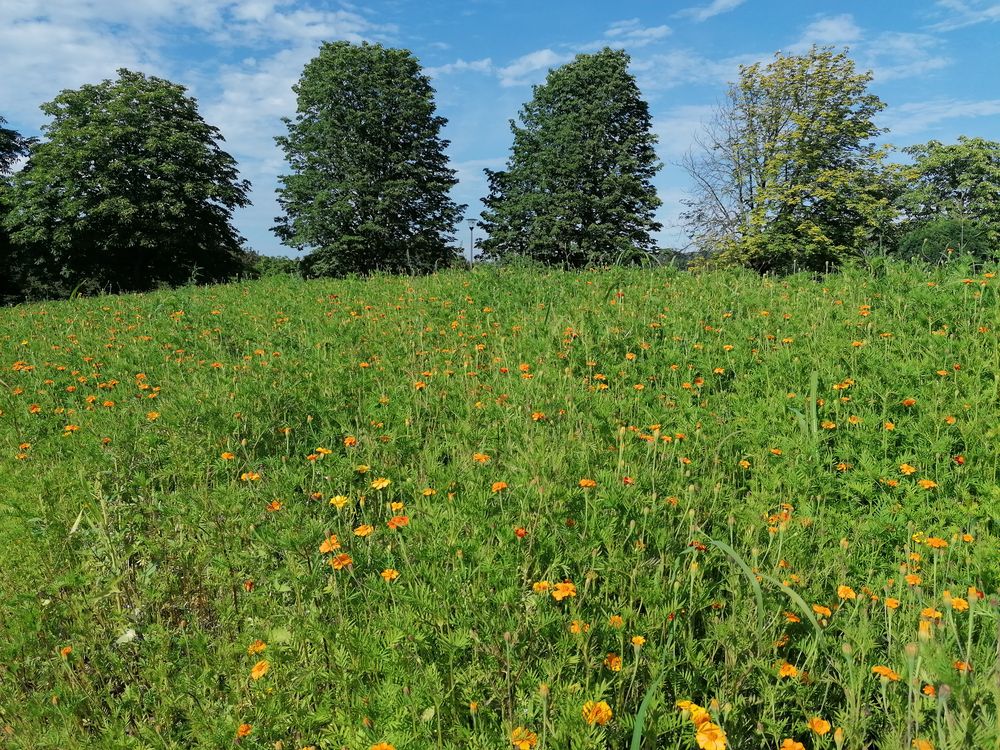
(526, 67)
(714, 8)
(837, 31)
(677, 128)
(681, 67)
(634, 34)
(961, 13)
(459, 66)
(893, 55)
(915, 117)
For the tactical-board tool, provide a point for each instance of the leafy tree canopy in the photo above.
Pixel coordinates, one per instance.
(578, 184)
(129, 190)
(959, 181)
(369, 181)
(787, 172)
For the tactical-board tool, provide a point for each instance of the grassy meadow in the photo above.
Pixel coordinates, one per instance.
(506, 508)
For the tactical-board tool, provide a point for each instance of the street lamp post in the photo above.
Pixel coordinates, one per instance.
(472, 226)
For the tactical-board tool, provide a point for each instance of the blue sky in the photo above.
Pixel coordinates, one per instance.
(935, 64)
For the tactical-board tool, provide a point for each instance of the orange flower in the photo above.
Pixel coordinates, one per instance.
(908, 402)
(959, 604)
(597, 713)
(243, 731)
(227, 456)
(540, 587)
(710, 737)
(936, 542)
(562, 590)
(822, 611)
(523, 739)
(260, 669)
(350, 441)
(846, 592)
(963, 666)
(382, 746)
(885, 673)
(499, 486)
(912, 579)
(398, 522)
(818, 725)
(907, 469)
(787, 670)
(613, 662)
(341, 561)
(364, 530)
(587, 483)
(480, 458)
(892, 603)
(790, 744)
(927, 484)
(274, 506)
(256, 647)
(921, 744)
(389, 575)
(65, 651)
(152, 416)
(330, 544)
(616, 621)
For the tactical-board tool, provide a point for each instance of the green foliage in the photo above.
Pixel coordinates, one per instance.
(773, 454)
(263, 266)
(790, 176)
(12, 146)
(128, 191)
(369, 182)
(958, 181)
(577, 188)
(937, 240)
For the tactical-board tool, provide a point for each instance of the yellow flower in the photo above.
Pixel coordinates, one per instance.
(381, 483)
(256, 647)
(338, 501)
(597, 713)
(710, 737)
(540, 587)
(523, 739)
(959, 604)
(638, 641)
(260, 669)
(818, 725)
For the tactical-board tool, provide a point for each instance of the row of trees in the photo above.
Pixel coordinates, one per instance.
(130, 188)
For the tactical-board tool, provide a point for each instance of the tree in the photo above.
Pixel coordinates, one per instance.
(578, 184)
(129, 190)
(787, 173)
(958, 184)
(369, 182)
(12, 147)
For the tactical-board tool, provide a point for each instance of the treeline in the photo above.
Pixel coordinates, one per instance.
(130, 189)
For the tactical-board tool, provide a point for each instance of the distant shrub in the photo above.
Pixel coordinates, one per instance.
(939, 239)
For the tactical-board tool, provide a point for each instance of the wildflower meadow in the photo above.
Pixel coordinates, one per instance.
(507, 508)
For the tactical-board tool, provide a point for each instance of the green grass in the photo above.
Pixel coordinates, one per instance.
(748, 416)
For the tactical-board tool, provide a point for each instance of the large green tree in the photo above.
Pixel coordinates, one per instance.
(957, 187)
(369, 181)
(128, 190)
(788, 173)
(578, 184)
(12, 147)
